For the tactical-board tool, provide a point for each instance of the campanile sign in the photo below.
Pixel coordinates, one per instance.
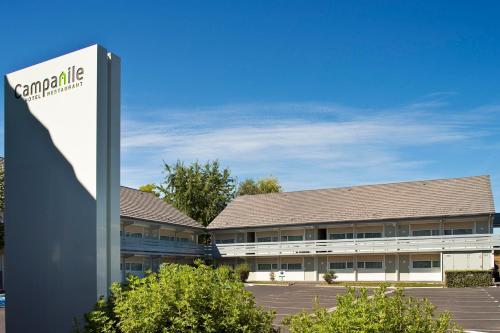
(62, 147)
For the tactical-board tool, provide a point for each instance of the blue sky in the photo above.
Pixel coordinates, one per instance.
(319, 94)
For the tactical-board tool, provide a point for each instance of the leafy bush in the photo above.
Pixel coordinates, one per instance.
(468, 278)
(272, 276)
(178, 299)
(243, 271)
(357, 312)
(329, 277)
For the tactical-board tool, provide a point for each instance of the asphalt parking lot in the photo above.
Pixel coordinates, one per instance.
(476, 309)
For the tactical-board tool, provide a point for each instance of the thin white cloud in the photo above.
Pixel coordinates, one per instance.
(306, 145)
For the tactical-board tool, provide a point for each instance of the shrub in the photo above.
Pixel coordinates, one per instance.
(329, 277)
(180, 298)
(468, 278)
(272, 276)
(357, 312)
(243, 271)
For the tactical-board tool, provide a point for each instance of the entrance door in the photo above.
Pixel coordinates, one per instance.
(250, 237)
(404, 267)
(322, 234)
(390, 268)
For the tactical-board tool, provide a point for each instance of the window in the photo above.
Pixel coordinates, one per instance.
(133, 266)
(337, 236)
(292, 238)
(422, 264)
(370, 264)
(133, 234)
(369, 235)
(264, 267)
(337, 265)
(275, 266)
(267, 239)
(436, 232)
(167, 238)
(373, 234)
(462, 231)
(373, 264)
(420, 233)
(348, 235)
(426, 264)
(341, 265)
(458, 231)
(294, 266)
(224, 241)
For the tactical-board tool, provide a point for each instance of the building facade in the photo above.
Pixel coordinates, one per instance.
(153, 232)
(412, 231)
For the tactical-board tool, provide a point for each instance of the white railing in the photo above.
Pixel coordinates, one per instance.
(354, 246)
(160, 246)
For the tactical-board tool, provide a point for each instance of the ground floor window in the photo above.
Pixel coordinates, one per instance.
(341, 265)
(267, 267)
(131, 266)
(133, 234)
(291, 266)
(370, 264)
(426, 264)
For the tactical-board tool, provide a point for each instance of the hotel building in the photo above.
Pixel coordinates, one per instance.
(410, 231)
(153, 232)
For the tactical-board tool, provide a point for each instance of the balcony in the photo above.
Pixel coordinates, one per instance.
(361, 246)
(160, 247)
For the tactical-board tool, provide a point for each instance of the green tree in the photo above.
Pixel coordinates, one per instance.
(150, 188)
(264, 185)
(178, 299)
(200, 191)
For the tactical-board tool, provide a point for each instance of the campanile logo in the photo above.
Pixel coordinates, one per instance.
(69, 79)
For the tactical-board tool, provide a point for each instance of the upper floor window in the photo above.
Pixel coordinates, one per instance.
(348, 235)
(434, 232)
(369, 235)
(267, 239)
(292, 238)
(458, 231)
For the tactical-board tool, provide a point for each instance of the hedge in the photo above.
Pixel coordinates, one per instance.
(468, 278)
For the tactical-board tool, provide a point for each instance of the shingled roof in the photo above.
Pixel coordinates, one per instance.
(135, 204)
(418, 199)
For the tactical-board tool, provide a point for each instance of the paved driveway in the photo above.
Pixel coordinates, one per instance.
(473, 308)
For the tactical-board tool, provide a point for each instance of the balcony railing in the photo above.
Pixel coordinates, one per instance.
(360, 246)
(160, 246)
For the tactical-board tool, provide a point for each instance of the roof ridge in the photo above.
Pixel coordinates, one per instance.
(364, 185)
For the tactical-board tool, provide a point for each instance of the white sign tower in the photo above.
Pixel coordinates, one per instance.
(62, 155)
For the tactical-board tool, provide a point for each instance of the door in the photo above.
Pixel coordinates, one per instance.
(322, 234)
(390, 268)
(309, 271)
(404, 267)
